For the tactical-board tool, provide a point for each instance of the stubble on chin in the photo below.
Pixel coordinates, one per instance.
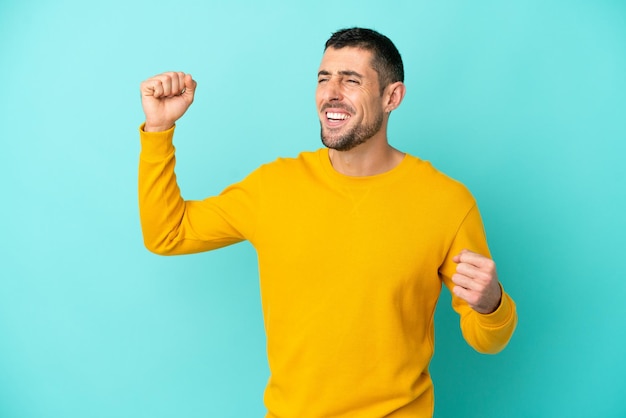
(341, 142)
(352, 138)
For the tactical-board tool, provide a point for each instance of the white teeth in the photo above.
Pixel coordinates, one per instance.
(337, 116)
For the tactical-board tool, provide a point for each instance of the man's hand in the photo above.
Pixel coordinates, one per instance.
(476, 282)
(165, 98)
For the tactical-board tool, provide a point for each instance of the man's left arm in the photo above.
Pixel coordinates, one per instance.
(488, 314)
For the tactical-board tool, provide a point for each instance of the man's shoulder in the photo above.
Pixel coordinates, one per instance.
(429, 177)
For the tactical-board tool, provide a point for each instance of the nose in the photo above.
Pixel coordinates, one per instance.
(332, 90)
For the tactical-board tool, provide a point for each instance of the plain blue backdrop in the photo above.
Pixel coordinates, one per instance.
(524, 102)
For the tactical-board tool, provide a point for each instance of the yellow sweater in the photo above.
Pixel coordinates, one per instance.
(351, 269)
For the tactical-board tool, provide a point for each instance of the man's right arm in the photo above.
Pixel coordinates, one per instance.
(171, 225)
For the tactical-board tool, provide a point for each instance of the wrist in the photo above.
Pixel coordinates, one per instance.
(154, 127)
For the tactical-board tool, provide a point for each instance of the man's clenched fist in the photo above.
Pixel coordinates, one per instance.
(477, 282)
(165, 98)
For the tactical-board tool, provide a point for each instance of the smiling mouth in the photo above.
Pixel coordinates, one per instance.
(335, 116)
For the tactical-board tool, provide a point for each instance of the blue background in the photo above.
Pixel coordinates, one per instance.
(525, 102)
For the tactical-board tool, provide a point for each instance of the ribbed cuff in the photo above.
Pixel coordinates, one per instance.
(156, 144)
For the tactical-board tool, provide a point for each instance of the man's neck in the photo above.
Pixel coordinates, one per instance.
(367, 159)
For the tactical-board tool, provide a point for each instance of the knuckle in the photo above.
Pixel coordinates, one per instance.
(490, 265)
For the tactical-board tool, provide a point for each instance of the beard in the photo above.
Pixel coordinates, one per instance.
(355, 136)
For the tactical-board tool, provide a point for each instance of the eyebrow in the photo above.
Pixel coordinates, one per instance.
(348, 73)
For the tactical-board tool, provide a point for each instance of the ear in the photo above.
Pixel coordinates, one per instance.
(393, 95)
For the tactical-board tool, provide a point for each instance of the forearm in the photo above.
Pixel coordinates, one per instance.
(489, 333)
(161, 207)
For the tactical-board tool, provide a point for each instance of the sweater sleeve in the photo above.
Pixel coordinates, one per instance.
(172, 225)
(486, 333)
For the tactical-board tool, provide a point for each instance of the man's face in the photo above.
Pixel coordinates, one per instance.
(348, 98)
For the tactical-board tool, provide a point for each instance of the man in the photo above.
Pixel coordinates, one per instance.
(353, 240)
